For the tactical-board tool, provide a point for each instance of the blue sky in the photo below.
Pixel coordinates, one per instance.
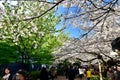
(73, 31)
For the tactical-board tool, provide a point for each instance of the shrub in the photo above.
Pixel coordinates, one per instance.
(35, 75)
(96, 77)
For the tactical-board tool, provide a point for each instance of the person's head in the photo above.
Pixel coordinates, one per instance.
(43, 69)
(110, 69)
(118, 67)
(80, 67)
(7, 70)
(88, 68)
(21, 74)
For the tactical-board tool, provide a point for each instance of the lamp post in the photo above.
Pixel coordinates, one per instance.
(99, 64)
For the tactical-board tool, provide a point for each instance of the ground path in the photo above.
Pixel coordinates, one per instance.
(63, 78)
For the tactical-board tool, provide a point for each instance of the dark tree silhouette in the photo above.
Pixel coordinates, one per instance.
(116, 44)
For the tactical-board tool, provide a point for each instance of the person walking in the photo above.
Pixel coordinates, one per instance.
(8, 75)
(81, 72)
(110, 74)
(20, 75)
(53, 73)
(88, 74)
(44, 74)
(71, 74)
(117, 74)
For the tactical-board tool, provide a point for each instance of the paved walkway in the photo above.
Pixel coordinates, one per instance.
(63, 78)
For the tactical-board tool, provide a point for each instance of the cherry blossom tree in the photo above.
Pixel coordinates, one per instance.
(99, 19)
(35, 38)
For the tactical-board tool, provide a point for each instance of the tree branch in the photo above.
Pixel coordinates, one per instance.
(87, 60)
(47, 2)
(42, 13)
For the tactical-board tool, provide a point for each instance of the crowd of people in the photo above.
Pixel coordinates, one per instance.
(81, 72)
(88, 73)
(22, 74)
(48, 74)
(113, 73)
(70, 72)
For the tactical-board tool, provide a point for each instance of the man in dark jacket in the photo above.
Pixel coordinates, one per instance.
(44, 74)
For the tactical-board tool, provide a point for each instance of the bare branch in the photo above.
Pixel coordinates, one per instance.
(47, 2)
(42, 13)
(86, 60)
